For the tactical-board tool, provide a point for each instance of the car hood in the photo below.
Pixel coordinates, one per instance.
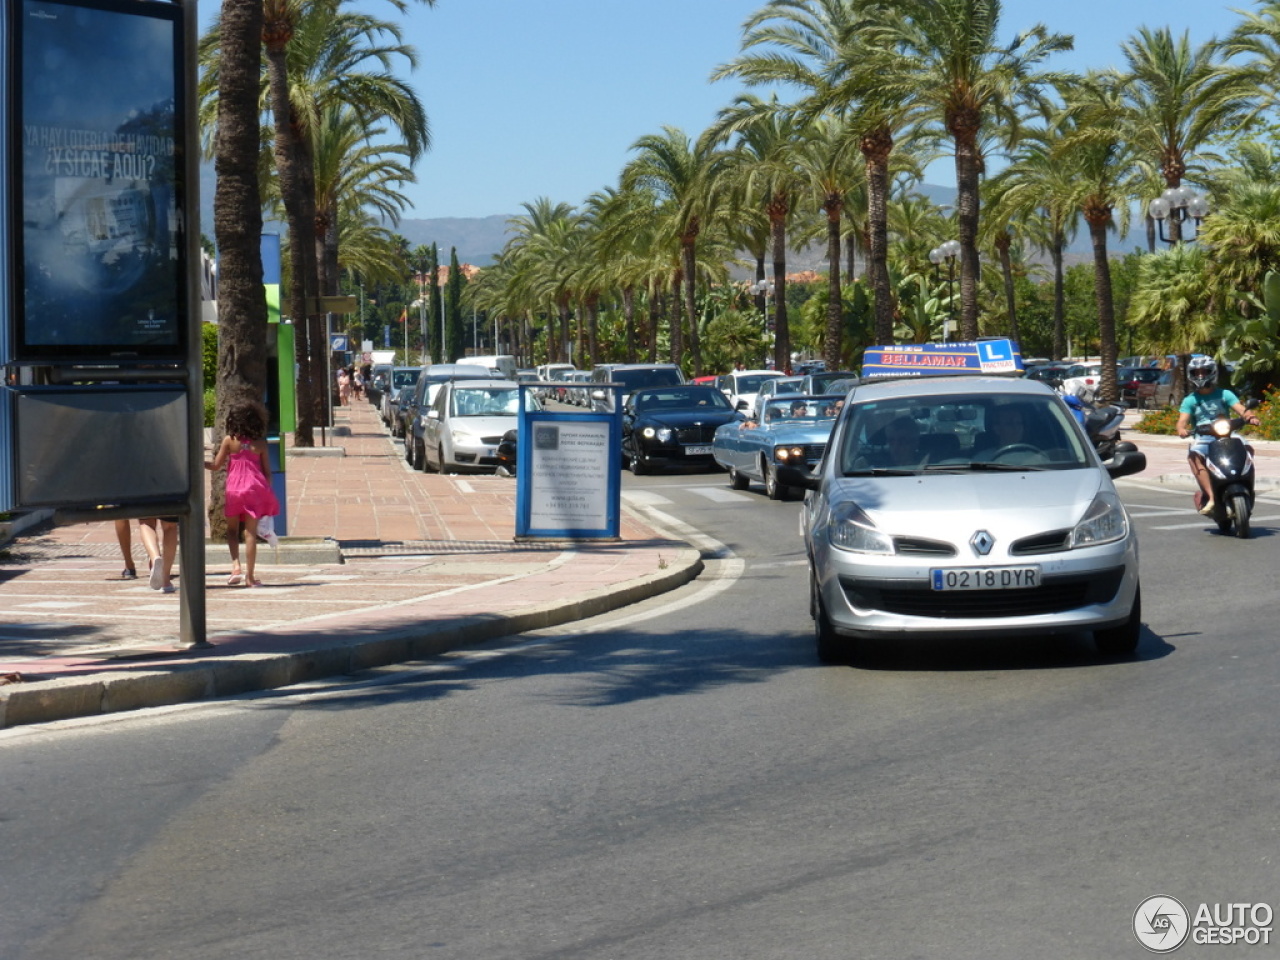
(686, 418)
(947, 506)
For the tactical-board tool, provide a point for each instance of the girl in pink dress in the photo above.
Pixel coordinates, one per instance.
(244, 451)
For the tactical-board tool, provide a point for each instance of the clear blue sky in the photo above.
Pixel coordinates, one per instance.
(532, 99)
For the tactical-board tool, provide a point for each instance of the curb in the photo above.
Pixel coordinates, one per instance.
(79, 697)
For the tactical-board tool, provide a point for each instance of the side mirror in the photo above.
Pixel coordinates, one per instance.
(742, 405)
(1126, 463)
(433, 414)
(797, 477)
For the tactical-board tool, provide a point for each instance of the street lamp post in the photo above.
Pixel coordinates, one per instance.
(947, 251)
(1178, 205)
(764, 290)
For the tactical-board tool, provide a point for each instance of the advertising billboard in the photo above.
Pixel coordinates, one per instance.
(96, 144)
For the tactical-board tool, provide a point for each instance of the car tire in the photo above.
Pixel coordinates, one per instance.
(427, 465)
(829, 645)
(774, 489)
(440, 455)
(1122, 641)
(737, 481)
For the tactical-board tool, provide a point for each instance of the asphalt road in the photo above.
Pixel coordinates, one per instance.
(683, 780)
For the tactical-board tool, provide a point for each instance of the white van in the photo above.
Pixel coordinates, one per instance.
(504, 365)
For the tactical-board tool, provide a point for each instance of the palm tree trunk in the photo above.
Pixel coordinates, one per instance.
(237, 223)
(781, 328)
(1003, 242)
(629, 321)
(1098, 219)
(677, 321)
(689, 253)
(831, 342)
(1059, 299)
(876, 148)
(968, 167)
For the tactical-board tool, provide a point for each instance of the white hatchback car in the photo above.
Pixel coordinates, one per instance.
(967, 506)
(465, 424)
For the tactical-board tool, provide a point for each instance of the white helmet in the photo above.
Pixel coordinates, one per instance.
(1203, 372)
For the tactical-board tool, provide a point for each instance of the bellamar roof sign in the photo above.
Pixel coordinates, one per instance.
(942, 359)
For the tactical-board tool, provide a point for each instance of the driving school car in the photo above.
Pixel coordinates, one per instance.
(791, 430)
(963, 505)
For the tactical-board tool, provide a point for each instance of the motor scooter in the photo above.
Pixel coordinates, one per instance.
(1229, 461)
(1101, 423)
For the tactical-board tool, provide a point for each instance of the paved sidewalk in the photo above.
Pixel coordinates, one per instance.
(382, 565)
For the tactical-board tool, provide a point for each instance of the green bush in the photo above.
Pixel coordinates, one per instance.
(210, 406)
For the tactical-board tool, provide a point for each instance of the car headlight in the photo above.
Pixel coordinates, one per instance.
(464, 437)
(664, 434)
(788, 454)
(851, 529)
(1103, 522)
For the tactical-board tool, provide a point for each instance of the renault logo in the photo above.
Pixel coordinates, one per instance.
(982, 542)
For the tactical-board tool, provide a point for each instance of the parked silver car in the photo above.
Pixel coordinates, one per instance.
(966, 506)
(463, 427)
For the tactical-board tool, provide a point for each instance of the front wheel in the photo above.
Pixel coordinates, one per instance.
(829, 645)
(1122, 641)
(1240, 510)
(774, 489)
(737, 481)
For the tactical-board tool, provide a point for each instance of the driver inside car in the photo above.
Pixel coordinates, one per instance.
(1006, 426)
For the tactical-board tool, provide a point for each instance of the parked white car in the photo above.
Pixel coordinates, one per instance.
(465, 424)
(741, 386)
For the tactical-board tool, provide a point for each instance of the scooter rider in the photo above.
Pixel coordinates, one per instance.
(1204, 405)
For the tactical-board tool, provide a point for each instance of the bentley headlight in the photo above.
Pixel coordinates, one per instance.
(1103, 522)
(649, 433)
(851, 529)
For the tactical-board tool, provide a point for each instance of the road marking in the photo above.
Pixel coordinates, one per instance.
(645, 498)
(720, 494)
(1204, 521)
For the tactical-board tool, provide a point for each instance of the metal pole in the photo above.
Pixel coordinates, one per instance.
(191, 553)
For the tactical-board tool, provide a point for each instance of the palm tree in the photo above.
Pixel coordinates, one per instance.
(1177, 99)
(1036, 190)
(944, 56)
(237, 222)
(679, 174)
(763, 167)
(1102, 164)
(820, 48)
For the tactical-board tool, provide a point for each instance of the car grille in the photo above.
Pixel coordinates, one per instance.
(1054, 595)
(699, 433)
(920, 547)
(1053, 542)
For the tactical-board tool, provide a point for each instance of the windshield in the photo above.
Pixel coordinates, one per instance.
(960, 432)
(688, 398)
(824, 382)
(486, 402)
(654, 377)
(789, 410)
(405, 378)
(751, 383)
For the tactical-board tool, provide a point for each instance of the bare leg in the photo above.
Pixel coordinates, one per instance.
(125, 539)
(169, 548)
(150, 543)
(250, 550)
(1201, 473)
(233, 544)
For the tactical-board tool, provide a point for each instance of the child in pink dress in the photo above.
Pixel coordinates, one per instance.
(249, 495)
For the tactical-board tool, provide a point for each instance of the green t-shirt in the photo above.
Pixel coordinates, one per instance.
(1207, 407)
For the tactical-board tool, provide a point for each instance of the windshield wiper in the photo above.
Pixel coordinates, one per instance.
(992, 465)
(883, 472)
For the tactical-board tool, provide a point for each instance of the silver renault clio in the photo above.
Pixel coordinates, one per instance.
(967, 505)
